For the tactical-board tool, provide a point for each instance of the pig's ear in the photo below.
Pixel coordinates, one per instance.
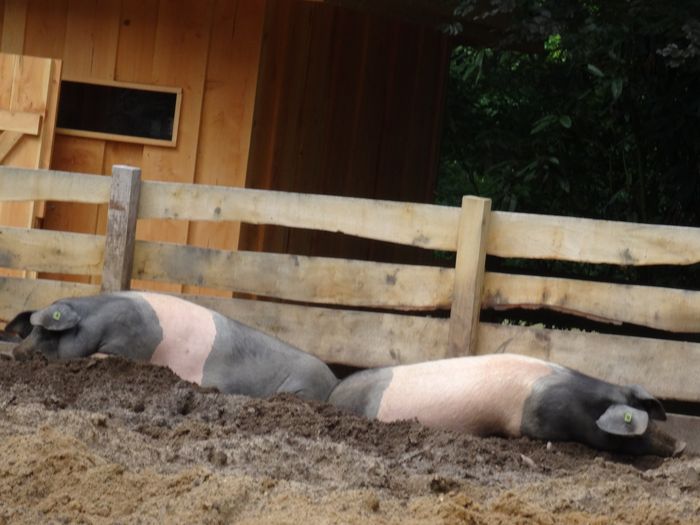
(57, 317)
(20, 325)
(649, 402)
(623, 420)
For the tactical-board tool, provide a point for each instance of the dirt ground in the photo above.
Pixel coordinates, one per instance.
(109, 441)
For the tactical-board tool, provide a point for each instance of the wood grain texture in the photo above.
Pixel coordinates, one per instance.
(45, 32)
(180, 49)
(668, 369)
(14, 22)
(469, 276)
(51, 251)
(8, 140)
(27, 85)
(121, 228)
(588, 240)
(661, 308)
(19, 295)
(344, 98)
(227, 113)
(92, 30)
(23, 122)
(89, 52)
(421, 225)
(2, 19)
(298, 278)
(362, 339)
(21, 184)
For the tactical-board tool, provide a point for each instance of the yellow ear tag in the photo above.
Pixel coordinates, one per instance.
(628, 417)
(56, 315)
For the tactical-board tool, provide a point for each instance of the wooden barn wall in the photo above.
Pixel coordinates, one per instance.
(209, 48)
(348, 104)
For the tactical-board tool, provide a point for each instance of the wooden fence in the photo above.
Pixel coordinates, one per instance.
(366, 313)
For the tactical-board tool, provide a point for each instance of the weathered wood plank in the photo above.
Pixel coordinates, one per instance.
(121, 228)
(20, 121)
(594, 241)
(361, 339)
(183, 33)
(668, 369)
(48, 125)
(469, 276)
(91, 39)
(51, 251)
(8, 140)
(18, 295)
(14, 23)
(423, 225)
(661, 308)
(20, 184)
(227, 113)
(298, 278)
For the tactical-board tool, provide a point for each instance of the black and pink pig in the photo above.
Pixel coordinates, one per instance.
(196, 343)
(511, 395)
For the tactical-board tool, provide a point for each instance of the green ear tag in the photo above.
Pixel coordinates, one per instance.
(56, 315)
(628, 417)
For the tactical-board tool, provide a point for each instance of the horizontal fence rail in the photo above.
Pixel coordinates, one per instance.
(298, 278)
(329, 327)
(513, 235)
(669, 369)
(22, 184)
(351, 282)
(18, 295)
(363, 339)
(51, 251)
(382, 339)
(655, 307)
(527, 236)
(422, 225)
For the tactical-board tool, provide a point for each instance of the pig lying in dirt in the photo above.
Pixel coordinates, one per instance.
(198, 344)
(511, 395)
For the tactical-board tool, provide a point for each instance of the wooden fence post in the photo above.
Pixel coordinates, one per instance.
(469, 276)
(121, 228)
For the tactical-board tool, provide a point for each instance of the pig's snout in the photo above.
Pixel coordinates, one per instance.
(680, 447)
(22, 353)
(663, 444)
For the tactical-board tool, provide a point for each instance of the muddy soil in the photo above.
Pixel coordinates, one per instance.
(110, 441)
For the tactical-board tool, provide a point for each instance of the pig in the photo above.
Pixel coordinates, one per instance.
(196, 343)
(511, 395)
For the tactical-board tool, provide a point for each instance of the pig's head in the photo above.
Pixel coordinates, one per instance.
(51, 332)
(568, 405)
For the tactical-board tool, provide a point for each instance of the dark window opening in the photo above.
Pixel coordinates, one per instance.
(118, 110)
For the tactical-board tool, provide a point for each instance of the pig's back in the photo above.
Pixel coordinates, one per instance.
(482, 395)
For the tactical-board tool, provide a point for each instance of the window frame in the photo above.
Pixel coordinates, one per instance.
(133, 139)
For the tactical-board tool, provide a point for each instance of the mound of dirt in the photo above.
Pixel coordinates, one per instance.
(112, 441)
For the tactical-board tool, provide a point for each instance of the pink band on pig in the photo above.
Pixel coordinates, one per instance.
(188, 335)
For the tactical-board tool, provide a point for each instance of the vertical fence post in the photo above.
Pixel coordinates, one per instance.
(121, 228)
(469, 276)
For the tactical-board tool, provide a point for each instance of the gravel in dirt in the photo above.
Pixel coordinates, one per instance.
(112, 441)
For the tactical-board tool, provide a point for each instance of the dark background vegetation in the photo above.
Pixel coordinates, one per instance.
(581, 108)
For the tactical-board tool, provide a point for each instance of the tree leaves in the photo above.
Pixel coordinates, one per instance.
(593, 70)
(603, 121)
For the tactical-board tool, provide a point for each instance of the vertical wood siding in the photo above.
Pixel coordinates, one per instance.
(209, 48)
(348, 104)
(335, 102)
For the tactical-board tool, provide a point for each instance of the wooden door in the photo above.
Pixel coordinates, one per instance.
(28, 102)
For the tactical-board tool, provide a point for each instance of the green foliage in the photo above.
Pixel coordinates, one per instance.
(602, 121)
